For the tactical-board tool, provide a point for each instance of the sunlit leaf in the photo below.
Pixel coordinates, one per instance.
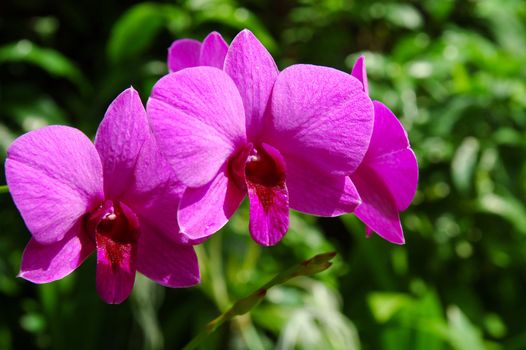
(50, 60)
(134, 31)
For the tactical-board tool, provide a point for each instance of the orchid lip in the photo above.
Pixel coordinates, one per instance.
(115, 220)
(256, 165)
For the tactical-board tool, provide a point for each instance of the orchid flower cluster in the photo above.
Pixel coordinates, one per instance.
(223, 125)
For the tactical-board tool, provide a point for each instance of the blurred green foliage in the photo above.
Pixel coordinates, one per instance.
(453, 71)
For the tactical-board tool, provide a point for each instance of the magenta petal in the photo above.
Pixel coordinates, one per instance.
(184, 53)
(198, 120)
(213, 51)
(322, 116)
(314, 192)
(55, 176)
(204, 210)
(254, 71)
(378, 210)
(43, 263)
(119, 140)
(155, 192)
(116, 244)
(116, 268)
(391, 158)
(269, 213)
(268, 196)
(359, 72)
(164, 261)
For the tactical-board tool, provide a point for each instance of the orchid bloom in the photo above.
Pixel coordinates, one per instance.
(184, 53)
(388, 175)
(116, 197)
(287, 140)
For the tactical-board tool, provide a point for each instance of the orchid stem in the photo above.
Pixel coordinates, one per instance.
(4, 189)
(308, 267)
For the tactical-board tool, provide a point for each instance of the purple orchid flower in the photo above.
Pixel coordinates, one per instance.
(287, 140)
(186, 53)
(388, 175)
(116, 197)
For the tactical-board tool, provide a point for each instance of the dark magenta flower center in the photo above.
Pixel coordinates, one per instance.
(115, 228)
(260, 169)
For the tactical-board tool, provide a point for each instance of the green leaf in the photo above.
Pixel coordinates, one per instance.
(463, 164)
(463, 335)
(50, 60)
(135, 30)
(385, 305)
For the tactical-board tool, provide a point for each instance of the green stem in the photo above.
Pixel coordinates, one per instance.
(308, 267)
(217, 276)
(4, 189)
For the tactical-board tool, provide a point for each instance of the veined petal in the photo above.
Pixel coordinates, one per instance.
(314, 192)
(155, 192)
(184, 53)
(116, 268)
(391, 157)
(55, 176)
(205, 210)
(322, 116)
(119, 140)
(213, 51)
(378, 210)
(116, 236)
(268, 196)
(254, 71)
(43, 263)
(198, 120)
(164, 261)
(359, 72)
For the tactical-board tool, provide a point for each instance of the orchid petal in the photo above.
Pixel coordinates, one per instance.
(391, 157)
(155, 192)
(322, 116)
(269, 200)
(204, 210)
(360, 72)
(198, 119)
(254, 71)
(184, 53)
(116, 245)
(55, 176)
(43, 263)
(119, 140)
(213, 51)
(314, 192)
(378, 210)
(164, 261)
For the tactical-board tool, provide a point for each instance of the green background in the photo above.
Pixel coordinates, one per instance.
(453, 71)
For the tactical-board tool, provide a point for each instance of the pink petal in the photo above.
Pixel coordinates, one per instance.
(254, 71)
(164, 261)
(43, 263)
(391, 157)
(55, 176)
(213, 51)
(184, 53)
(155, 192)
(269, 200)
(115, 269)
(378, 210)
(322, 116)
(314, 192)
(119, 139)
(204, 210)
(197, 117)
(116, 245)
(359, 72)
